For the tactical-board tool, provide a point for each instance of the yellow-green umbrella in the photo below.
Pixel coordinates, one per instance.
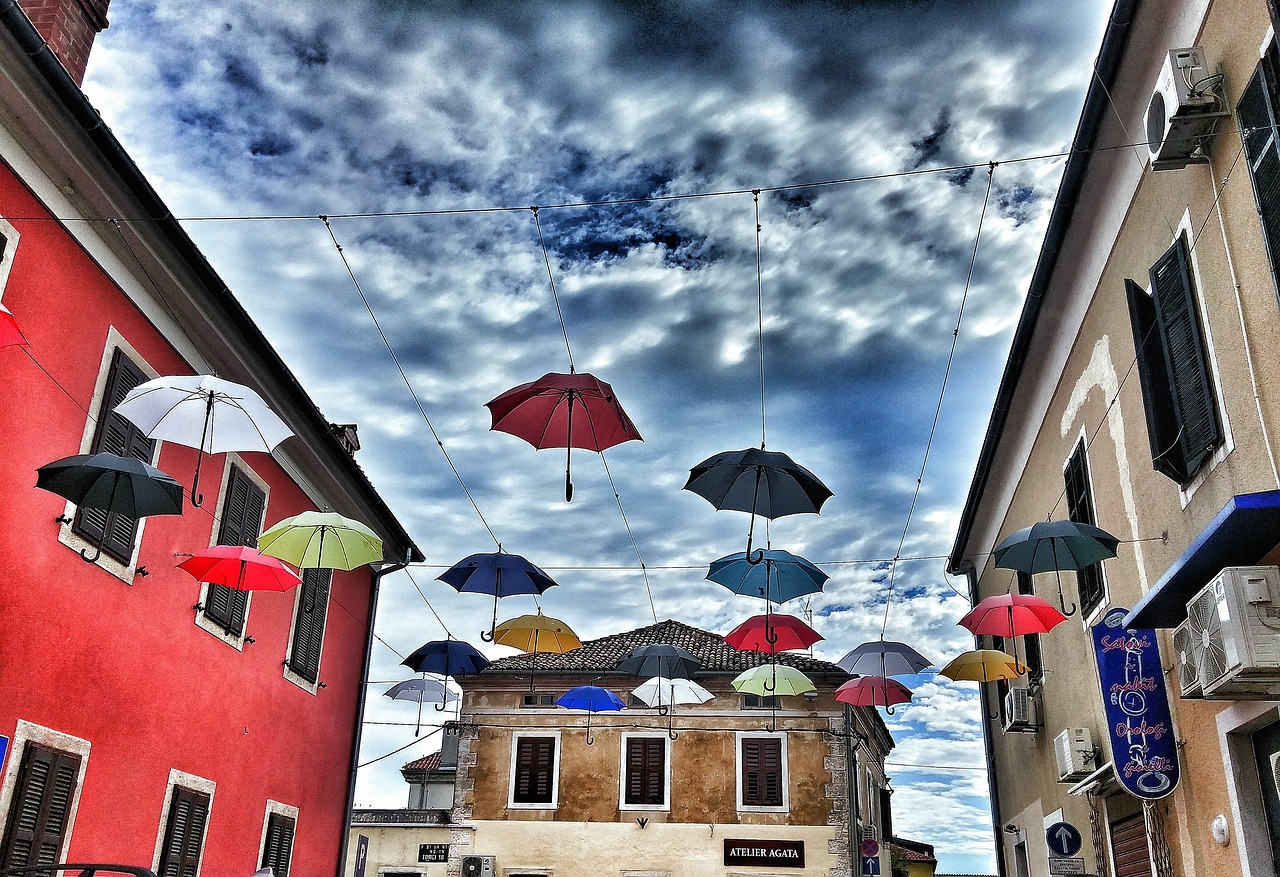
(983, 665)
(324, 540)
(770, 679)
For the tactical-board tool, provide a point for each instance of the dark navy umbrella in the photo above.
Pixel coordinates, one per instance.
(500, 574)
(592, 699)
(447, 657)
(661, 659)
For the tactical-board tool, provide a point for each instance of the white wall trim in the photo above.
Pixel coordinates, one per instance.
(786, 772)
(666, 770)
(29, 732)
(195, 784)
(1248, 817)
(554, 803)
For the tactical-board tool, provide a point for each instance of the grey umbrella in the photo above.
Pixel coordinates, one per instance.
(660, 659)
(883, 658)
(1055, 546)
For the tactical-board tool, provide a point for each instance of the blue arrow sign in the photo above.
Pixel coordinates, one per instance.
(870, 866)
(1063, 839)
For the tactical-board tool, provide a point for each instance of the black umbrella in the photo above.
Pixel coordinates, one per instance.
(447, 657)
(660, 659)
(761, 482)
(112, 483)
(1056, 546)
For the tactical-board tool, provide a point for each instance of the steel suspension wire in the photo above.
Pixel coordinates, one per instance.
(426, 736)
(942, 393)
(644, 570)
(555, 296)
(440, 620)
(421, 410)
(755, 197)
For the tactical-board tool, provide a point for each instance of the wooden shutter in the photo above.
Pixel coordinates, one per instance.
(1031, 642)
(1257, 112)
(1129, 847)
(1089, 582)
(241, 522)
(535, 766)
(308, 628)
(184, 835)
(279, 844)
(115, 435)
(646, 770)
(40, 807)
(761, 772)
(1157, 399)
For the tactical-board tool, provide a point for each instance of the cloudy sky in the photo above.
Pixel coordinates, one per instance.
(439, 112)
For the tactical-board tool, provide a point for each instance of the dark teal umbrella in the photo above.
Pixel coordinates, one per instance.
(776, 575)
(1055, 546)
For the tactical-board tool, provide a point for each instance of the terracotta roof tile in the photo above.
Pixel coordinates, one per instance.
(427, 762)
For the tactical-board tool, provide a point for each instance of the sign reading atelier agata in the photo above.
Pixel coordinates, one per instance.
(1133, 693)
(767, 853)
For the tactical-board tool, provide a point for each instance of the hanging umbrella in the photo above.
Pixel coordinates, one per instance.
(1055, 546)
(772, 634)
(499, 574)
(203, 412)
(447, 657)
(541, 412)
(983, 665)
(536, 633)
(778, 576)
(245, 569)
(10, 334)
(761, 482)
(422, 691)
(873, 691)
(660, 659)
(1010, 615)
(665, 693)
(593, 700)
(773, 679)
(327, 540)
(112, 483)
(883, 658)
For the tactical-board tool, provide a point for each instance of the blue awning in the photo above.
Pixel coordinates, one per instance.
(1243, 533)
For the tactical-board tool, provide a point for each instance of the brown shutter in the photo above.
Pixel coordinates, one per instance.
(1129, 847)
(279, 844)
(184, 835)
(1157, 400)
(40, 807)
(308, 628)
(645, 770)
(762, 772)
(241, 522)
(115, 435)
(535, 766)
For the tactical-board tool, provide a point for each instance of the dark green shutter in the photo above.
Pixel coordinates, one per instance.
(308, 628)
(241, 522)
(1089, 582)
(39, 808)
(1256, 114)
(279, 844)
(1157, 399)
(1031, 642)
(184, 835)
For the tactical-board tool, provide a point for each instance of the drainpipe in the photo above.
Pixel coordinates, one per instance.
(851, 781)
(385, 570)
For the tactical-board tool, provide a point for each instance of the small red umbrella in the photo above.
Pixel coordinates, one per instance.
(10, 334)
(1010, 615)
(873, 691)
(239, 567)
(542, 413)
(771, 634)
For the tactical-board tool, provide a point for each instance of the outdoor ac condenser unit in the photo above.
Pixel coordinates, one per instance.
(1073, 750)
(479, 866)
(1019, 712)
(1237, 618)
(1188, 648)
(1184, 105)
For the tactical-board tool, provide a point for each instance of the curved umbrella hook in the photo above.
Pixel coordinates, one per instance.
(1062, 601)
(197, 499)
(97, 549)
(590, 740)
(769, 635)
(888, 709)
(755, 498)
(663, 709)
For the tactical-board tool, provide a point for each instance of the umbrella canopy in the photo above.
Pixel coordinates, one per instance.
(883, 658)
(245, 569)
(203, 412)
(590, 698)
(542, 413)
(773, 679)
(873, 691)
(983, 665)
(777, 575)
(499, 574)
(10, 334)
(660, 659)
(537, 633)
(1055, 545)
(422, 691)
(113, 483)
(447, 657)
(772, 634)
(321, 540)
(661, 691)
(1010, 615)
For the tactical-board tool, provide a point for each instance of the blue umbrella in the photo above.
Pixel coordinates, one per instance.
(447, 657)
(499, 574)
(780, 576)
(592, 699)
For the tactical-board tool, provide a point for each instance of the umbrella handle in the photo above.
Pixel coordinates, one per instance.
(1062, 601)
(672, 732)
(769, 685)
(888, 709)
(568, 454)
(197, 499)
(493, 628)
(663, 709)
(769, 636)
(487, 635)
(590, 741)
(97, 549)
(757, 558)
(441, 706)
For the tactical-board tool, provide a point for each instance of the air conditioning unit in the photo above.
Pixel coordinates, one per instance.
(870, 832)
(1184, 107)
(1073, 750)
(479, 866)
(1019, 710)
(1232, 635)
(1188, 648)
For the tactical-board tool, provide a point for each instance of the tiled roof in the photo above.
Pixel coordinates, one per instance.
(911, 855)
(427, 762)
(602, 655)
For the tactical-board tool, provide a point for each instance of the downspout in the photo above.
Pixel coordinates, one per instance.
(378, 574)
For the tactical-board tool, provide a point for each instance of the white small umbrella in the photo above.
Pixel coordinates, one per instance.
(664, 693)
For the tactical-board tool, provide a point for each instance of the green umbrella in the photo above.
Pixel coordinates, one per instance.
(770, 679)
(324, 540)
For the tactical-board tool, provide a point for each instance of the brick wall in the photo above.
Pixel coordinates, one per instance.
(69, 27)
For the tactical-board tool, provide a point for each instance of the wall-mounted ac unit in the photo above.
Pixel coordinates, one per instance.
(1019, 710)
(1186, 102)
(479, 866)
(870, 832)
(1188, 648)
(1236, 620)
(1073, 750)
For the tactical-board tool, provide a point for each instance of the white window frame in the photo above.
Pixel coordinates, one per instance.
(289, 673)
(278, 808)
(786, 773)
(195, 784)
(554, 803)
(1104, 602)
(6, 262)
(29, 732)
(201, 621)
(666, 771)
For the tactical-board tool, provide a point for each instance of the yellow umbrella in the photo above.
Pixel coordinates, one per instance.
(321, 540)
(534, 634)
(983, 665)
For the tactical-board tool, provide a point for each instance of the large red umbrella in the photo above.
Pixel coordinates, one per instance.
(873, 691)
(1010, 615)
(771, 634)
(10, 334)
(542, 413)
(239, 567)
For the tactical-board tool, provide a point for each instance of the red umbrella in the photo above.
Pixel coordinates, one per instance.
(771, 634)
(873, 691)
(1010, 615)
(541, 412)
(245, 569)
(10, 334)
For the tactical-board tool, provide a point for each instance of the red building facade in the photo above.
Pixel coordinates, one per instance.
(148, 721)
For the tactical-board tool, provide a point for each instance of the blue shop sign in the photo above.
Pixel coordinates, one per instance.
(1138, 722)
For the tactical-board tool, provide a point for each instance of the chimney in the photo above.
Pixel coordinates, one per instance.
(346, 435)
(68, 26)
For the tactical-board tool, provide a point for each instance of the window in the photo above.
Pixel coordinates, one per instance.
(644, 771)
(115, 435)
(308, 624)
(534, 781)
(183, 834)
(761, 777)
(1258, 114)
(537, 699)
(1173, 367)
(242, 507)
(760, 701)
(40, 808)
(278, 844)
(1089, 581)
(1033, 659)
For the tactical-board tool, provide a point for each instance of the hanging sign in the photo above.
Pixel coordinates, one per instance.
(1138, 721)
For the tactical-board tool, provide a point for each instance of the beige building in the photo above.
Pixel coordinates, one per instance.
(1142, 393)
(739, 785)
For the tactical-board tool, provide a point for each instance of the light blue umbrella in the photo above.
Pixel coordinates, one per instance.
(778, 576)
(593, 699)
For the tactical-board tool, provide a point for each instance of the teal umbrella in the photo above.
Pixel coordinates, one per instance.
(775, 575)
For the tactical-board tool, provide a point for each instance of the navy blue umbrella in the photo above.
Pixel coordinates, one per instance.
(447, 657)
(500, 574)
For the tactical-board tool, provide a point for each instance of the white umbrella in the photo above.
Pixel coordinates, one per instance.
(663, 693)
(203, 412)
